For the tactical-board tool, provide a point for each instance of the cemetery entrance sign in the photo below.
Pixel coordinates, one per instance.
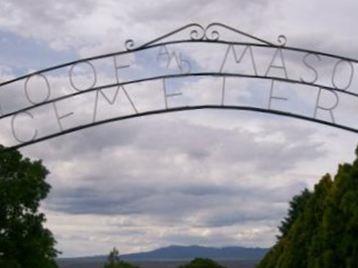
(193, 67)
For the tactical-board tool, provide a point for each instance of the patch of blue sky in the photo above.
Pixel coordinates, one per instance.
(25, 55)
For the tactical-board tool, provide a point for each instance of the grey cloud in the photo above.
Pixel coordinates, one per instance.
(47, 14)
(181, 172)
(214, 205)
(144, 181)
(156, 136)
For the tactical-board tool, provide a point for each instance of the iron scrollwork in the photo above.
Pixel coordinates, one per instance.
(209, 33)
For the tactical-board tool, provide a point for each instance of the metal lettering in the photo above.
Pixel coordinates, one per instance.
(60, 117)
(180, 62)
(167, 96)
(272, 97)
(94, 73)
(13, 118)
(239, 59)
(223, 91)
(279, 54)
(311, 67)
(116, 68)
(47, 97)
(329, 109)
(349, 82)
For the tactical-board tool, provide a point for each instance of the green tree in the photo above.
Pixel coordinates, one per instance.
(24, 242)
(202, 263)
(115, 262)
(297, 205)
(321, 229)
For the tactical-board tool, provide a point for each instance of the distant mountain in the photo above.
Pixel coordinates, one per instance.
(173, 256)
(175, 253)
(190, 252)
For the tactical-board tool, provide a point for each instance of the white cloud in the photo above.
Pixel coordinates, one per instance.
(214, 178)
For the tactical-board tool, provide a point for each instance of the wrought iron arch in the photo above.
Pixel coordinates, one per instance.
(194, 34)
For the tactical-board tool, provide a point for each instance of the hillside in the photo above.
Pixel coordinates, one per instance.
(173, 256)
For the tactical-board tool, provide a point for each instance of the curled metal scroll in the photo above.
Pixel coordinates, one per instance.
(129, 44)
(197, 32)
(212, 33)
(209, 33)
(282, 40)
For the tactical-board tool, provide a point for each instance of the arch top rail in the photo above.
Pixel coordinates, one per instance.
(197, 34)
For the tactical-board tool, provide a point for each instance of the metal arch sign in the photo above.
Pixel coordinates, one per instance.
(193, 67)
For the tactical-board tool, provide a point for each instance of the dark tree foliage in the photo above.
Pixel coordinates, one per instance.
(24, 242)
(321, 229)
(115, 262)
(202, 263)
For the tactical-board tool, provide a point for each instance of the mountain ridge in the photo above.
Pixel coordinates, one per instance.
(178, 252)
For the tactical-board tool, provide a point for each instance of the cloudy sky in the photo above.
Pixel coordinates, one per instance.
(213, 178)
